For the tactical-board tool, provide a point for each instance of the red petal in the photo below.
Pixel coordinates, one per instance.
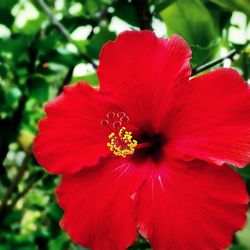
(213, 119)
(71, 136)
(191, 206)
(99, 212)
(140, 70)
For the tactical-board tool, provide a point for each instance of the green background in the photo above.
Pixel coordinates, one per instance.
(45, 45)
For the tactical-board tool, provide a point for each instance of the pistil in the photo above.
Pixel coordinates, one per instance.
(121, 141)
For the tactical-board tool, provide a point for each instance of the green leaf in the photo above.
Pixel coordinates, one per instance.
(63, 57)
(54, 211)
(237, 247)
(16, 46)
(126, 11)
(13, 217)
(243, 235)
(5, 247)
(7, 4)
(92, 6)
(12, 96)
(91, 78)
(6, 17)
(191, 20)
(3, 70)
(243, 63)
(95, 6)
(96, 43)
(58, 242)
(38, 88)
(48, 43)
(201, 55)
(9, 100)
(232, 5)
(162, 4)
(244, 172)
(32, 26)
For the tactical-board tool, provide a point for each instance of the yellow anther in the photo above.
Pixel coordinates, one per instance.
(122, 144)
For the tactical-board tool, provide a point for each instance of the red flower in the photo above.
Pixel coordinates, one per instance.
(148, 149)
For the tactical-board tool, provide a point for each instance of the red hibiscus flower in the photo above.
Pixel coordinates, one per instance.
(147, 151)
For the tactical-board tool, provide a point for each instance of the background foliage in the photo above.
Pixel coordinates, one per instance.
(47, 44)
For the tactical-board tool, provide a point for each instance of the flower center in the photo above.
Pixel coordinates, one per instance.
(121, 141)
(151, 146)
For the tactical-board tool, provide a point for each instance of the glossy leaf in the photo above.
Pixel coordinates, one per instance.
(240, 5)
(191, 20)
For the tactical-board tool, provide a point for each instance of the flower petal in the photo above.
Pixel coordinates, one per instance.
(99, 212)
(191, 206)
(212, 121)
(71, 136)
(141, 70)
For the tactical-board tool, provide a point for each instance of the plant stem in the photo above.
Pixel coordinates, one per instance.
(13, 185)
(62, 29)
(53, 20)
(209, 65)
(11, 125)
(26, 190)
(143, 14)
(66, 79)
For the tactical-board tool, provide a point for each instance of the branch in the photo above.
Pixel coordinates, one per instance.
(13, 185)
(67, 79)
(61, 28)
(53, 20)
(11, 125)
(25, 190)
(209, 65)
(143, 14)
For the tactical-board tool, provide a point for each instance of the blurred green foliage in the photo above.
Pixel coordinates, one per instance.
(41, 52)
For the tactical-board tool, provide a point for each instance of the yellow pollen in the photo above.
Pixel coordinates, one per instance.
(122, 144)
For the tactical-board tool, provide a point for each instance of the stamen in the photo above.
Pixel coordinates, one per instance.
(121, 141)
(122, 144)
